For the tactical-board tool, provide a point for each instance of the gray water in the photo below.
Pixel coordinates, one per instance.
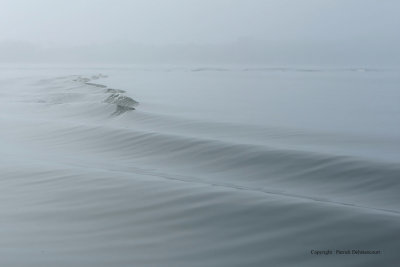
(198, 166)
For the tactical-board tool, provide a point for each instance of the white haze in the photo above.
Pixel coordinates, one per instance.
(307, 32)
(199, 133)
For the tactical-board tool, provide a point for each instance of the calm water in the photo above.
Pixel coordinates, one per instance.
(216, 166)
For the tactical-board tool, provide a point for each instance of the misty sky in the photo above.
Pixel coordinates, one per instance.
(81, 22)
(275, 32)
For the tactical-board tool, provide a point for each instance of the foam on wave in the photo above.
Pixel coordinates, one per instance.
(116, 97)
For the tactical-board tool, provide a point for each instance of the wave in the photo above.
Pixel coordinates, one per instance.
(208, 151)
(303, 174)
(74, 94)
(123, 103)
(86, 216)
(83, 188)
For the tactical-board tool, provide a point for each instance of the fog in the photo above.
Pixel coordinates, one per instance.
(307, 32)
(199, 133)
